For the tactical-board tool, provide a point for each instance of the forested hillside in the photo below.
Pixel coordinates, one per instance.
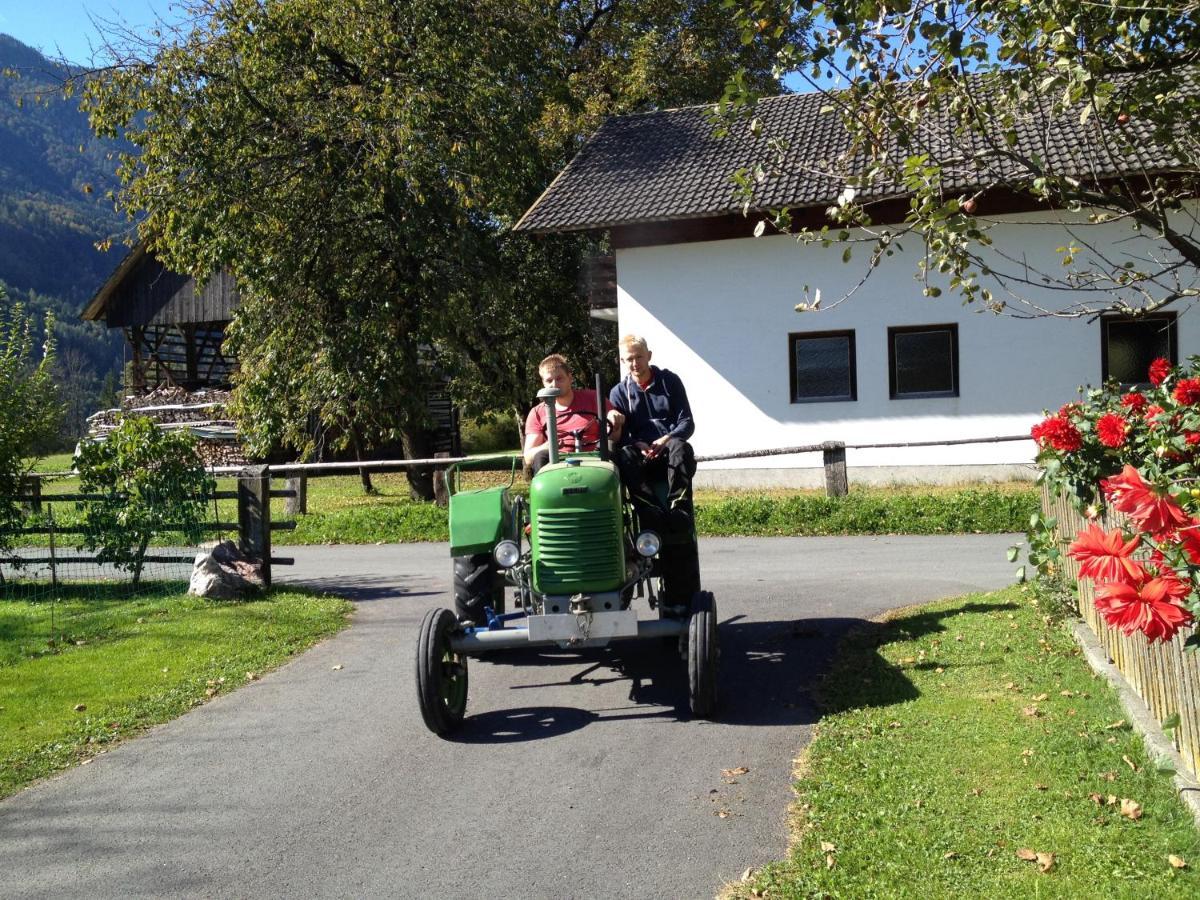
(53, 179)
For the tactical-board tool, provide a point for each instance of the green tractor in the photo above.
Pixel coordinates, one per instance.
(577, 553)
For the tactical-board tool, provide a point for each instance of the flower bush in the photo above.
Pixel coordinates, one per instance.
(1136, 452)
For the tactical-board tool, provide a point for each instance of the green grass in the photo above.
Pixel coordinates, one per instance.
(132, 663)
(340, 512)
(956, 735)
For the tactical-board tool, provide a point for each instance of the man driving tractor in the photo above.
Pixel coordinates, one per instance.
(575, 413)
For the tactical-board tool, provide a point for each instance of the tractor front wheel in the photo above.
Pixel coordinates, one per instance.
(702, 656)
(441, 673)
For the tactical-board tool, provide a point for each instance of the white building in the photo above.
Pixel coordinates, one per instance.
(888, 366)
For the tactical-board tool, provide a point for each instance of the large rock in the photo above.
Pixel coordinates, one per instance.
(225, 573)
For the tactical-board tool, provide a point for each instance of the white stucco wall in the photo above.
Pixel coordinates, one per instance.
(719, 315)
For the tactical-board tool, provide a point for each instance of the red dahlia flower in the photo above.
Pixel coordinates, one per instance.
(1134, 402)
(1151, 509)
(1154, 608)
(1187, 391)
(1159, 370)
(1111, 430)
(1152, 414)
(1107, 556)
(1059, 433)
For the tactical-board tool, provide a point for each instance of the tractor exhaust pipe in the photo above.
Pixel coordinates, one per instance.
(547, 396)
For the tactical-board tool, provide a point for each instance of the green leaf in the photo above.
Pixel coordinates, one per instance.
(846, 255)
(1170, 722)
(1013, 553)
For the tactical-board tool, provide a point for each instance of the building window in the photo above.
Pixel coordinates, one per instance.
(1128, 346)
(822, 366)
(923, 361)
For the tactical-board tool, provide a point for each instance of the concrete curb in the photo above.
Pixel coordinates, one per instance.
(1161, 750)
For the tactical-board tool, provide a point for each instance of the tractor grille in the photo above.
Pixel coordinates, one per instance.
(578, 550)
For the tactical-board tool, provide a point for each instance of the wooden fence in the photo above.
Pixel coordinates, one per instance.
(253, 527)
(1165, 677)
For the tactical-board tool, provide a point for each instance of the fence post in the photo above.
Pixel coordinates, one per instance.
(31, 489)
(254, 516)
(440, 494)
(834, 458)
(297, 504)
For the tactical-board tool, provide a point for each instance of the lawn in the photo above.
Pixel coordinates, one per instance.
(967, 750)
(339, 511)
(94, 667)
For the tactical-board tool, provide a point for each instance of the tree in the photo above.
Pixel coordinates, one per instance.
(956, 104)
(29, 407)
(357, 163)
(152, 481)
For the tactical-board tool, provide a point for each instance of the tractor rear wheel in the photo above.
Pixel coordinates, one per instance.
(703, 655)
(441, 673)
(478, 582)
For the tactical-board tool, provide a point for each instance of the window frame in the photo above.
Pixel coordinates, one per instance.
(1170, 317)
(796, 336)
(955, 374)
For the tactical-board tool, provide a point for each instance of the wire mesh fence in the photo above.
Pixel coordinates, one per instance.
(54, 589)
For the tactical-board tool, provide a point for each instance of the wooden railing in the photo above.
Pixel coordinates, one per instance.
(1162, 674)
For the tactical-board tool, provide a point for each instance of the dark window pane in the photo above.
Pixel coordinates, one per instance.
(924, 362)
(822, 366)
(1132, 346)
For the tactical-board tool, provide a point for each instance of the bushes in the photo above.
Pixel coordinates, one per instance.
(965, 511)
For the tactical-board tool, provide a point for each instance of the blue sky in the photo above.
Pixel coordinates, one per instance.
(54, 25)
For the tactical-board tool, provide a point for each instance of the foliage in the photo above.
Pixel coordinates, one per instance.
(957, 105)
(84, 672)
(29, 407)
(152, 481)
(490, 435)
(357, 165)
(1138, 452)
(965, 511)
(957, 735)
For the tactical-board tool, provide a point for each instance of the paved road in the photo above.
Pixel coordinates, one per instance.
(574, 776)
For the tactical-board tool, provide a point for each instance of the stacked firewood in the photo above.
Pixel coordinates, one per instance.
(202, 412)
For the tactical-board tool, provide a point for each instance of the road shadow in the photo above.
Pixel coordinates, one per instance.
(768, 672)
(360, 588)
(774, 673)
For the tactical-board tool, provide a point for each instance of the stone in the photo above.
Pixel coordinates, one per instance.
(225, 573)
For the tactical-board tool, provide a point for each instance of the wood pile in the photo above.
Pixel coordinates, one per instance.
(201, 412)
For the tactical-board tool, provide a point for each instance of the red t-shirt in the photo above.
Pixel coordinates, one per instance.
(579, 416)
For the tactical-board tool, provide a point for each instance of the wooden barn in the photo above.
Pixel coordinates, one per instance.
(175, 328)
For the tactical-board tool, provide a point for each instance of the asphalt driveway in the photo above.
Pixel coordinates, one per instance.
(574, 775)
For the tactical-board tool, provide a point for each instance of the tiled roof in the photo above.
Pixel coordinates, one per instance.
(669, 165)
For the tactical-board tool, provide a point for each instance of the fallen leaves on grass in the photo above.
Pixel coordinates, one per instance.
(80, 707)
(1045, 861)
(747, 875)
(1177, 862)
(1040, 697)
(1131, 809)
(1129, 762)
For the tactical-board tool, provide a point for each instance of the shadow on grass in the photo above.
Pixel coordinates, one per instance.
(861, 677)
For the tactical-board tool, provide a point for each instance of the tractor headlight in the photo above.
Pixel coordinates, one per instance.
(507, 554)
(648, 543)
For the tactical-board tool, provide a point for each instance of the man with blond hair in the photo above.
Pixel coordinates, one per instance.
(575, 416)
(658, 422)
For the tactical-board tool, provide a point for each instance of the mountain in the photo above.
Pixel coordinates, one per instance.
(54, 174)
